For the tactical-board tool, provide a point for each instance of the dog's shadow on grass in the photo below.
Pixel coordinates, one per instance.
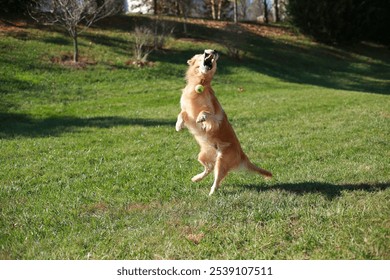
(328, 190)
(21, 125)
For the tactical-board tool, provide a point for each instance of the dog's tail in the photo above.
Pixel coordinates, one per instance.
(251, 167)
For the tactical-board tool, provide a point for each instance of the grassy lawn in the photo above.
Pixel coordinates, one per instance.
(91, 166)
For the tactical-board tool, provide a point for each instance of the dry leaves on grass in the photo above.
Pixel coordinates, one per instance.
(195, 238)
(193, 235)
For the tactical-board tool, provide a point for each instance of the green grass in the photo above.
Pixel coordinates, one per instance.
(91, 166)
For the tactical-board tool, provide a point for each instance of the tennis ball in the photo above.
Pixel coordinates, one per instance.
(199, 88)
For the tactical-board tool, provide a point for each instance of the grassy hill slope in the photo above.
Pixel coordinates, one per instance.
(91, 166)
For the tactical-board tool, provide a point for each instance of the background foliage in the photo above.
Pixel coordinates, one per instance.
(330, 21)
(342, 21)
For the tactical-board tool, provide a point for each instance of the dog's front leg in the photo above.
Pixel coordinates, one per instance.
(208, 120)
(203, 116)
(181, 118)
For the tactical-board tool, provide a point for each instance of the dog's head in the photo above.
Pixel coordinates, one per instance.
(203, 65)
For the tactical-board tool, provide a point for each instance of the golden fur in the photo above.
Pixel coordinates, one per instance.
(203, 115)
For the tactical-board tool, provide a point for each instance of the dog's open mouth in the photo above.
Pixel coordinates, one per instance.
(209, 57)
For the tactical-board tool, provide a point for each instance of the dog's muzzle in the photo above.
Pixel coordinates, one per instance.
(209, 57)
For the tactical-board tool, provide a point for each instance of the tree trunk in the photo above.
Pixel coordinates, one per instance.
(219, 9)
(154, 7)
(178, 10)
(235, 11)
(185, 20)
(265, 11)
(75, 49)
(276, 4)
(213, 9)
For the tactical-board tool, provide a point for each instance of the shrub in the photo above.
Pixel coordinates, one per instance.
(143, 43)
(150, 38)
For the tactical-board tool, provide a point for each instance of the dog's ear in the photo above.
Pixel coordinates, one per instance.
(191, 61)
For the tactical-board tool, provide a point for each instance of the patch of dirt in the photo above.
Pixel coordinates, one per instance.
(96, 207)
(137, 207)
(140, 64)
(263, 30)
(14, 26)
(66, 59)
(194, 40)
(209, 23)
(16, 29)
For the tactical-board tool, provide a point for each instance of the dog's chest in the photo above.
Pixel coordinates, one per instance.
(193, 105)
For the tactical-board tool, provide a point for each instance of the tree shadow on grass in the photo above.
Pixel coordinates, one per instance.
(20, 125)
(328, 190)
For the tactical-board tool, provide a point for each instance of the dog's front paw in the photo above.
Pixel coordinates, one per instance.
(180, 122)
(202, 117)
(179, 125)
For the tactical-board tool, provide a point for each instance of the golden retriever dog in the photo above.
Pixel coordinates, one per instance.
(203, 115)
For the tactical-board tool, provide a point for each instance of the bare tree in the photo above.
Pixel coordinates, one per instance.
(185, 7)
(155, 7)
(219, 11)
(266, 10)
(243, 8)
(144, 40)
(276, 11)
(149, 38)
(235, 11)
(74, 15)
(217, 7)
(213, 14)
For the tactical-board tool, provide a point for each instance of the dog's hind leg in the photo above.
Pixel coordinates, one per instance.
(207, 159)
(200, 176)
(219, 173)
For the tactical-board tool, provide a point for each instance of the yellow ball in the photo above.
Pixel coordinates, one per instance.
(199, 88)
